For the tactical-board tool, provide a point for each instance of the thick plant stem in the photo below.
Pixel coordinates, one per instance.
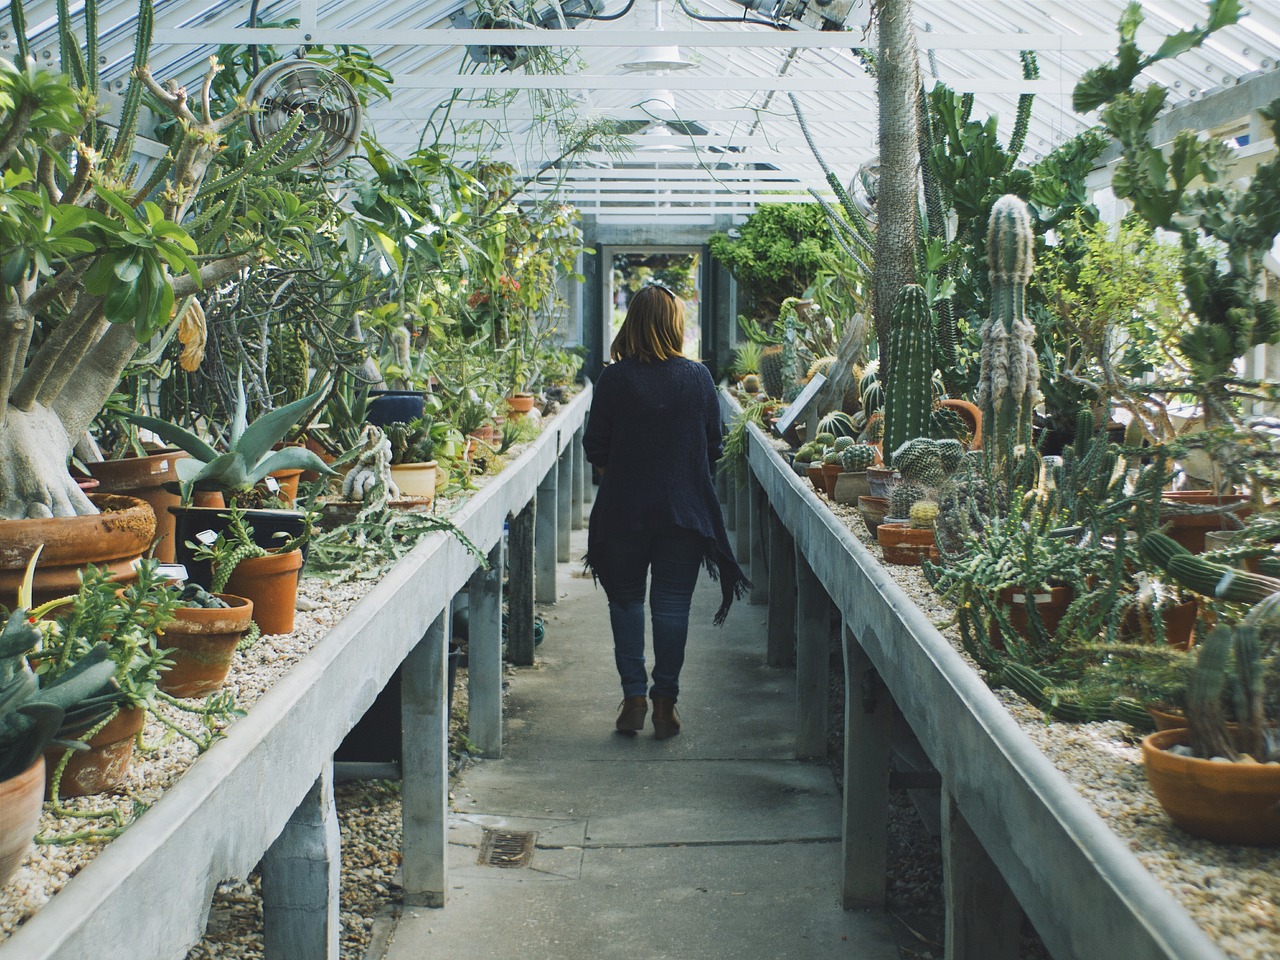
(896, 206)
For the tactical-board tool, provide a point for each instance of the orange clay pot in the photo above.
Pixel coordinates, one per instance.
(20, 801)
(1050, 604)
(1189, 530)
(1222, 802)
(270, 583)
(906, 545)
(201, 643)
(144, 478)
(873, 510)
(105, 764)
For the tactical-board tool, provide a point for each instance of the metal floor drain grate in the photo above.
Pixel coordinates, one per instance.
(500, 848)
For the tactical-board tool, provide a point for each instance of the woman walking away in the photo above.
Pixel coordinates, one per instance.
(654, 436)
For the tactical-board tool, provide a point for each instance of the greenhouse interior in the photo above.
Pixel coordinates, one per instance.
(367, 367)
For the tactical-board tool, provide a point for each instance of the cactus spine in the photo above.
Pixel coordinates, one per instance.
(908, 389)
(1008, 385)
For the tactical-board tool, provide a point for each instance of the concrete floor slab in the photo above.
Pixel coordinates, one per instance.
(714, 844)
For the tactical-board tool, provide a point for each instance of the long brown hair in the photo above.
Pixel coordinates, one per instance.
(654, 328)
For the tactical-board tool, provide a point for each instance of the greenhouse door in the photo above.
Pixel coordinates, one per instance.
(677, 268)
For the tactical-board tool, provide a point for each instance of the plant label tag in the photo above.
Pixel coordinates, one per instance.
(160, 467)
(172, 571)
(207, 537)
(271, 484)
(1037, 598)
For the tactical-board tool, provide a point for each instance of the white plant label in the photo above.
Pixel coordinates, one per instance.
(207, 537)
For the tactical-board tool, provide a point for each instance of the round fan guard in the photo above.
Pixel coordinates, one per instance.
(327, 102)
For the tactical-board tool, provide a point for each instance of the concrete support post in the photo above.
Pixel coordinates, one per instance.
(742, 509)
(758, 505)
(782, 594)
(813, 629)
(564, 503)
(588, 488)
(545, 538)
(579, 480)
(301, 880)
(484, 658)
(983, 917)
(731, 501)
(867, 714)
(424, 721)
(722, 485)
(520, 587)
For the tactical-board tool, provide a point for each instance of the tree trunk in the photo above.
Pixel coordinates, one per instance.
(897, 203)
(34, 482)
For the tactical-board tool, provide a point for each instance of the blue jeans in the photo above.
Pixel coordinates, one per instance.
(674, 556)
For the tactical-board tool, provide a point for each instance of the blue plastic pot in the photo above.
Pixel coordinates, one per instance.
(393, 406)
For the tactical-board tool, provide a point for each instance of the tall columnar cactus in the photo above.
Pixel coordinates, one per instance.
(908, 390)
(1008, 385)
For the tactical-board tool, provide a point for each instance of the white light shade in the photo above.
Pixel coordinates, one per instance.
(658, 58)
(660, 138)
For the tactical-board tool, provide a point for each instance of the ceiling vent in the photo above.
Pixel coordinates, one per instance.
(546, 16)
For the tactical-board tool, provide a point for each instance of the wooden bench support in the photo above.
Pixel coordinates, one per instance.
(781, 648)
(520, 565)
(984, 921)
(564, 502)
(868, 710)
(484, 658)
(301, 880)
(425, 785)
(813, 629)
(545, 539)
(759, 508)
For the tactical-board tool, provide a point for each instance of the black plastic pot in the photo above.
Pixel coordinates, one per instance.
(393, 406)
(271, 528)
(376, 737)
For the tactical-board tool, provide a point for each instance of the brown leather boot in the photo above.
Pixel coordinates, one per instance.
(631, 714)
(666, 720)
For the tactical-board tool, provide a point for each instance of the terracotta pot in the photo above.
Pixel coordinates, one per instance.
(830, 474)
(1167, 719)
(1189, 529)
(208, 498)
(519, 404)
(144, 478)
(288, 481)
(1179, 624)
(906, 545)
(814, 473)
(201, 643)
(1224, 539)
(104, 765)
(270, 529)
(880, 480)
(113, 539)
(971, 415)
(271, 584)
(851, 485)
(417, 480)
(1051, 605)
(1222, 802)
(20, 800)
(872, 511)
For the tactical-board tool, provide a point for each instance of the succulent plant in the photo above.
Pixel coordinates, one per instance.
(923, 514)
(746, 359)
(858, 457)
(825, 439)
(751, 383)
(838, 424)
(831, 457)
(842, 444)
(908, 380)
(1008, 384)
(903, 498)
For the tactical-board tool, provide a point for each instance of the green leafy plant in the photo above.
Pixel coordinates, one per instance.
(249, 457)
(236, 543)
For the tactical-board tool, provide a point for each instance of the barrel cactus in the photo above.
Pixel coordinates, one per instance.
(908, 402)
(858, 457)
(1008, 384)
(904, 497)
(923, 514)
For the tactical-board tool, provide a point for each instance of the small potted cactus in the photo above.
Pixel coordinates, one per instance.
(831, 465)
(910, 542)
(852, 483)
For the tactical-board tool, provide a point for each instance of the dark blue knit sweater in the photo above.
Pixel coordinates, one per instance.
(656, 427)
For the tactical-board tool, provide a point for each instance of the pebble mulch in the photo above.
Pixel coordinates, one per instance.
(1233, 892)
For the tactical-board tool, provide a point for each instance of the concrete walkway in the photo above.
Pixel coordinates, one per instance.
(715, 844)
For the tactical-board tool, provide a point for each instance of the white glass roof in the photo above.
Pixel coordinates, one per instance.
(712, 139)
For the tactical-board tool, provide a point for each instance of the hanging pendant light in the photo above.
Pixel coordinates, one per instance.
(659, 57)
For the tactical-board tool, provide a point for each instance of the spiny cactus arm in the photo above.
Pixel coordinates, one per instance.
(855, 218)
(1208, 729)
(18, 17)
(1030, 71)
(841, 230)
(908, 381)
(122, 149)
(69, 48)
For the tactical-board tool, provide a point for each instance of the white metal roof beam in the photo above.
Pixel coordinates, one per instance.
(836, 84)
(682, 114)
(785, 40)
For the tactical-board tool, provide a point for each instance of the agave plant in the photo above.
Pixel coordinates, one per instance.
(32, 716)
(248, 459)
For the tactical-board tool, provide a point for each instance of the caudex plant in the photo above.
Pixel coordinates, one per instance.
(92, 267)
